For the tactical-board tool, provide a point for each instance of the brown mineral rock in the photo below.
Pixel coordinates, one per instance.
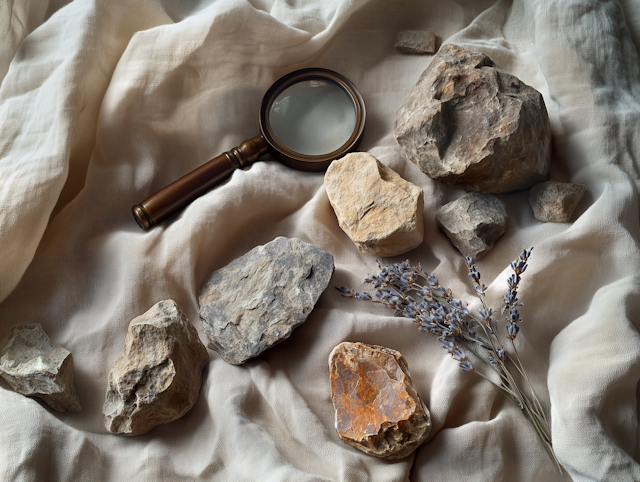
(377, 408)
(554, 202)
(379, 211)
(34, 367)
(416, 42)
(472, 125)
(473, 223)
(157, 377)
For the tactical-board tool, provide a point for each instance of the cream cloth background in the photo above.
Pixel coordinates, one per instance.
(104, 102)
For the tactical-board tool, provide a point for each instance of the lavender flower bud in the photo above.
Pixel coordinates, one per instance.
(346, 292)
(512, 331)
(458, 354)
(474, 274)
(486, 315)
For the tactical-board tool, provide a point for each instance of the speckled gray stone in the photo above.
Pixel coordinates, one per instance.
(471, 125)
(32, 366)
(257, 300)
(473, 223)
(416, 42)
(554, 202)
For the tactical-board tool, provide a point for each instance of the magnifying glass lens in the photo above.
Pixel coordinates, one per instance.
(313, 117)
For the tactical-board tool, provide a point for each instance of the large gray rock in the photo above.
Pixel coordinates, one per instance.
(554, 202)
(258, 299)
(472, 125)
(378, 410)
(473, 223)
(32, 366)
(157, 377)
(379, 211)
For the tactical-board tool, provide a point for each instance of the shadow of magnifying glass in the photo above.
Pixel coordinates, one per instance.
(308, 118)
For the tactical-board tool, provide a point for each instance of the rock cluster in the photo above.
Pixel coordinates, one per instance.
(472, 125)
(473, 223)
(32, 366)
(157, 377)
(375, 207)
(258, 299)
(554, 202)
(377, 407)
(416, 42)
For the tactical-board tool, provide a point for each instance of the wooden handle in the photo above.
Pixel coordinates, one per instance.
(178, 194)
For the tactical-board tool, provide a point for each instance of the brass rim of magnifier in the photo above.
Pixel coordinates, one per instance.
(302, 161)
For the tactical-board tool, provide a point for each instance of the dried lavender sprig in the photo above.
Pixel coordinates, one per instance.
(511, 304)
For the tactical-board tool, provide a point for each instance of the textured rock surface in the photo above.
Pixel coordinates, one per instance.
(379, 211)
(473, 223)
(472, 125)
(554, 202)
(377, 408)
(258, 299)
(416, 42)
(34, 367)
(157, 377)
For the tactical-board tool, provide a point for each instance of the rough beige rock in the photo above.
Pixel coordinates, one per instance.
(554, 202)
(416, 42)
(377, 407)
(34, 367)
(157, 377)
(473, 223)
(472, 125)
(379, 211)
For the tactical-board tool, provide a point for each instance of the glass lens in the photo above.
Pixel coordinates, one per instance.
(313, 117)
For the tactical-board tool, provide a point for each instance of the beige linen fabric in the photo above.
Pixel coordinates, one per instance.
(104, 102)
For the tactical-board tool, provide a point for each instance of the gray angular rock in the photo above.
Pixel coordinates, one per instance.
(378, 410)
(554, 202)
(375, 207)
(473, 223)
(472, 125)
(32, 366)
(157, 377)
(416, 42)
(257, 300)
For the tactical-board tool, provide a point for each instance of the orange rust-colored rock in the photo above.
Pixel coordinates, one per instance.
(377, 408)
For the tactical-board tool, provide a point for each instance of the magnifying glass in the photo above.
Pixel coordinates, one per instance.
(308, 118)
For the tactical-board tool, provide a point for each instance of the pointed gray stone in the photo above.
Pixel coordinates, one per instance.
(32, 366)
(258, 299)
(473, 223)
(157, 377)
